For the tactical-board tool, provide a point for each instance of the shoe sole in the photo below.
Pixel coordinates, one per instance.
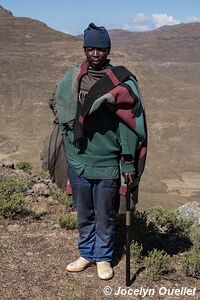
(106, 278)
(80, 270)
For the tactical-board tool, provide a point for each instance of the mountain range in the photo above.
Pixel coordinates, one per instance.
(166, 61)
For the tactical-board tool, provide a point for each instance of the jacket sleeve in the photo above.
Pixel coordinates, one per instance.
(128, 141)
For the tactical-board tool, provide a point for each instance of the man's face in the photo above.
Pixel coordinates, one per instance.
(96, 57)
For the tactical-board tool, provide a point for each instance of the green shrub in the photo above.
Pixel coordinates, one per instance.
(43, 174)
(61, 197)
(157, 263)
(195, 238)
(11, 196)
(67, 221)
(135, 251)
(9, 207)
(196, 246)
(141, 227)
(191, 263)
(24, 165)
(10, 185)
(169, 220)
(195, 233)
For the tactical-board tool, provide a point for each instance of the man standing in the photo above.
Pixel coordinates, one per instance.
(101, 115)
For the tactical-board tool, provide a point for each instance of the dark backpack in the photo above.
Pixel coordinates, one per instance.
(53, 158)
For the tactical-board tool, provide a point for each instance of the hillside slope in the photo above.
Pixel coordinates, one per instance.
(34, 57)
(172, 50)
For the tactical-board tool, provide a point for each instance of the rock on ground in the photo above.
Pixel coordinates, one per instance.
(190, 210)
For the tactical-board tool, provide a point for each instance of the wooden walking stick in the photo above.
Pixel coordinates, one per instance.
(132, 193)
(128, 224)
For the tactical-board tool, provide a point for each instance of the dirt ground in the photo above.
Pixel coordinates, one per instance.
(34, 255)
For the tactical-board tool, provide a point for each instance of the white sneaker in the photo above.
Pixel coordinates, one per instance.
(79, 265)
(104, 270)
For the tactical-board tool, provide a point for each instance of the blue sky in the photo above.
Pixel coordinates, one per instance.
(74, 16)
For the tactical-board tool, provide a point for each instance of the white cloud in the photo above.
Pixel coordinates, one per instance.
(191, 19)
(163, 19)
(142, 22)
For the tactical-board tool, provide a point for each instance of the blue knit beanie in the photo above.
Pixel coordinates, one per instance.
(97, 37)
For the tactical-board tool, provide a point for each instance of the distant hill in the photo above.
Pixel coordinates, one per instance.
(33, 57)
(172, 50)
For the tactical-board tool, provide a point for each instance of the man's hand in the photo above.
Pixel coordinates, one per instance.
(128, 178)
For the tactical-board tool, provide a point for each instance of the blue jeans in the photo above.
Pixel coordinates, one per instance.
(94, 201)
